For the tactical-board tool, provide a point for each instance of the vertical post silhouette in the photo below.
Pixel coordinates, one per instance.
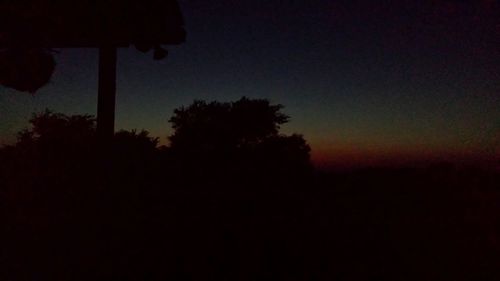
(106, 95)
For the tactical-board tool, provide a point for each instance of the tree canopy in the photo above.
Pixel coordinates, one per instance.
(30, 28)
(246, 131)
(228, 124)
(57, 130)
(59, 133)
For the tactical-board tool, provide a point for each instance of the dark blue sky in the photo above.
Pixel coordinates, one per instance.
(364, 81)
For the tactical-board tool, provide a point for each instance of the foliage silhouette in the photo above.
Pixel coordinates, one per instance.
(241, 135)
(57, 128)
(26, 69)
(67, 145)
(30, 29)
(133, 141)
(243, 122)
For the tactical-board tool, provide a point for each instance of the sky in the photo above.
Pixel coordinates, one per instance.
(365, 82)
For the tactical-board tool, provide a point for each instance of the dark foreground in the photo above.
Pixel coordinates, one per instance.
(136, 223)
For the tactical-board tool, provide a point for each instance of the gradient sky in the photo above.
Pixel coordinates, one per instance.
(365, 82)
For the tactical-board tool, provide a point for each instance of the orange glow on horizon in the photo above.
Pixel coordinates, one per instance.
(348, 156)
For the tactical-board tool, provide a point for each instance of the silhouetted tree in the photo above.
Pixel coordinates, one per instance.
(67, 144)
(139, 142)
(56, 128)
(285, 152)
(134, 154)
(30, 28)
(214, 125)
(244, 133)
(56, 141)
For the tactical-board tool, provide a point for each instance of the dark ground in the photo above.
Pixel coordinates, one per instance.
(140, 223)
